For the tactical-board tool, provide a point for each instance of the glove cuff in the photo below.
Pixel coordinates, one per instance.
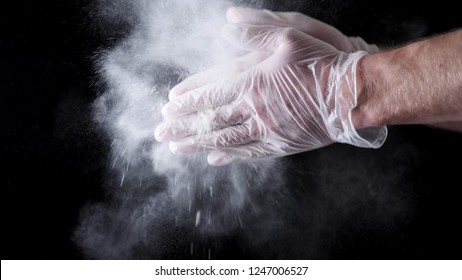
(344, 94)
(358, 44)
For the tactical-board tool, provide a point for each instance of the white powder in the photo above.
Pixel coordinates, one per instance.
(168, 41)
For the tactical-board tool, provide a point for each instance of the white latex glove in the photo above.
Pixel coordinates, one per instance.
(292, 93)
(306, 24)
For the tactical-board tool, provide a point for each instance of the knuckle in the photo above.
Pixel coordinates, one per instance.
(290, 34)
(258, 131)
(295, 17)
(266, 14)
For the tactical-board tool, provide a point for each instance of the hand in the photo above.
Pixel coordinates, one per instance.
(291, 93)
(306, 24)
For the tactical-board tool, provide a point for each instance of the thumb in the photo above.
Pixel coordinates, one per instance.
(258, 38)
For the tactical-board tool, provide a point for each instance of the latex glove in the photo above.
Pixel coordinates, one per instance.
(292, 93)
(306, 24)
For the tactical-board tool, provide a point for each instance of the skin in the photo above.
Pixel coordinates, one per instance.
(389, 92)
(420, 83)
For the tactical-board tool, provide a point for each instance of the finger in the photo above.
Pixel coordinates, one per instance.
(254, 150)
(232, 136)
(203, 122)
(260, 38)
(306, 24)
(204, 98)
(296, 20)
(160, 133)
(217, 73)
(253, 16)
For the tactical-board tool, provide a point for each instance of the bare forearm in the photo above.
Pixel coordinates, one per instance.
(420, 83)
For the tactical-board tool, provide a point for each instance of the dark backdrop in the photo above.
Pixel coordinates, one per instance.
(53, 158)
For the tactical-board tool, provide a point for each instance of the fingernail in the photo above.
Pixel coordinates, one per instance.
(173, 146)
(240, 14)
(233, 15)
(173, 94)
(159, 133)
(170, 110)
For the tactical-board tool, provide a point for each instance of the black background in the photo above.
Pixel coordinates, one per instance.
(53, 158)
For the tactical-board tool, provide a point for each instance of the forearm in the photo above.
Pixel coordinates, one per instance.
(420, 83)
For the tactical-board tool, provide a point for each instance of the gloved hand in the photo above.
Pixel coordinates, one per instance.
(306, 24)
(291, 93)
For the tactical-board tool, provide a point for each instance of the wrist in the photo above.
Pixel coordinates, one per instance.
(340, 122)
(363, 129)
(415, 84)
(358, 114)
(369, 74)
